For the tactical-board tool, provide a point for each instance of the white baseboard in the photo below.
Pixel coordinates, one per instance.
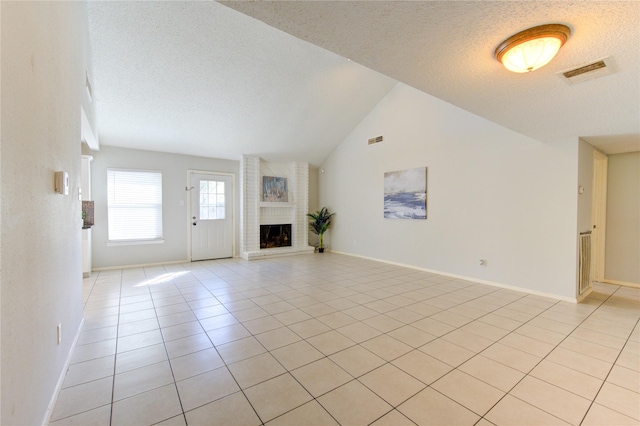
(622, 283)
(140, 265)
(63, 373)
(462, 277)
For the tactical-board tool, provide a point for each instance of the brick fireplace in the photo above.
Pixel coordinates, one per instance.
(257, 215)
(274, 236)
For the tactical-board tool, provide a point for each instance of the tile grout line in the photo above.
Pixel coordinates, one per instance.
(613, 364)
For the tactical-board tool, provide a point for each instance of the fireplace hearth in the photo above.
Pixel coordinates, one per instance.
(272, 236)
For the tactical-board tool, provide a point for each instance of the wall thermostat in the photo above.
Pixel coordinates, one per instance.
(62, 183)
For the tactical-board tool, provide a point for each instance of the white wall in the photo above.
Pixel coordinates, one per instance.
(623, 219)
(492, 194)
(585, 179)
(44, 58)
(176, 228)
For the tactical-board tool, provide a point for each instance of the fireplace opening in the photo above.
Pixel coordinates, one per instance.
(275, 236)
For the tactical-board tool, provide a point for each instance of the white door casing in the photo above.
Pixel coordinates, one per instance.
(598, 215)
(211, 215)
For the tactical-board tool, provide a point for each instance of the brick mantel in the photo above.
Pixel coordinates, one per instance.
(254, 211)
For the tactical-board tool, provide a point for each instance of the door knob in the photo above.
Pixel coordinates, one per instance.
(194, 223)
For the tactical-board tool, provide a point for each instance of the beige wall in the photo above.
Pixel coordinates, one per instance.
(492, 194)
(623, 219)
(44, 59)
(175, 223)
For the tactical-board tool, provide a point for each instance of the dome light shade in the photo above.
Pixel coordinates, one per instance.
(531, 49)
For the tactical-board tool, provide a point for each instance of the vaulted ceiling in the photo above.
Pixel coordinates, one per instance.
(273, 79)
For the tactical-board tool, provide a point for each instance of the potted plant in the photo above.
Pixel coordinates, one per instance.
(319, 223)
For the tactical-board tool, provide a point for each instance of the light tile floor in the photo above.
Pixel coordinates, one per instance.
(331, 339)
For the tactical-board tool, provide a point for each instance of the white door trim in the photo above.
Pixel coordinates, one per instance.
(599, 215)
(190, 215)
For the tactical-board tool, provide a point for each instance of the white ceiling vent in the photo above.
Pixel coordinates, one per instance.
(589, 71)
(377, 139)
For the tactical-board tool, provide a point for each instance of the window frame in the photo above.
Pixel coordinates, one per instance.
(157, 207)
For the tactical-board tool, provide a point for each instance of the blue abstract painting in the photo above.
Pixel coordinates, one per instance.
(405, 194)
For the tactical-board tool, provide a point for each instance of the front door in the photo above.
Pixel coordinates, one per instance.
(211, 216)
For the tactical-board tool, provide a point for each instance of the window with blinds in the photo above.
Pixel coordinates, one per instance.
(134, 199)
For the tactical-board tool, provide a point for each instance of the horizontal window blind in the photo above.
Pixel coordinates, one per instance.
(134, 205)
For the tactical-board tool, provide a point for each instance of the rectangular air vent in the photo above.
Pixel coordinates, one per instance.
(377, 139)
(588, 71)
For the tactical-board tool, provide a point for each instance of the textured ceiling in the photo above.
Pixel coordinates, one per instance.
(200, 78)
(445, 48)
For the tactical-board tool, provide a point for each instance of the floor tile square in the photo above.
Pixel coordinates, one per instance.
(511, 357)
(599, 415)
(88, 371)
(422, 366)
(386, 347)
(336, 319)
(359, 332)
(147, 408)
(187, 345)
(240, 349)
(357, 360)
(492, 372)
(220, 336)
(620, 399)
(354, 404)
(141, 380)
(84, 397)
(625, 378)
(262, 325)
(412, 336)
(322, 376)
(292, 317)
(137, 358)
(100, 416)
(433, 327)
(296, 355)
(568, 379)
(254, 370)
(309, 328)
(592, 366)
(467, 340)
(138, 327)
(195, 363)
(393, 418)
(430, 407)
(500, 322)
(181, 330)
(231, 410)
(330, 342)
(219, 321)
(552, 399)
(277, 338)
(277, 396)
(447, 352)
(140, 340)
(204, 388)
(177, 318)
(310, 413)
(513, 411)
(468, 391)
(392, 384)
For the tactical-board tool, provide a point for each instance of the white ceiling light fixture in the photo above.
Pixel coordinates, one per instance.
(531, 49)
